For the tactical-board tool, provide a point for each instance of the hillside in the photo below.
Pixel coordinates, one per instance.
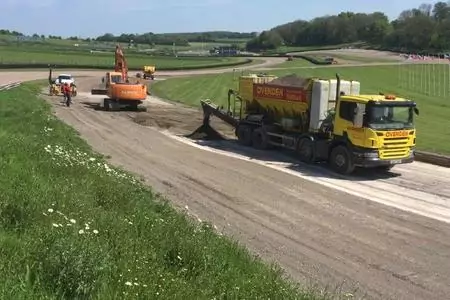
(423, 29)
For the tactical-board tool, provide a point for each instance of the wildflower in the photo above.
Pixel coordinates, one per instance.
(128, 283)
(55, 225)
(81, 231)
(50, 210)
(92, 159)
(72, 221)
(95, 231)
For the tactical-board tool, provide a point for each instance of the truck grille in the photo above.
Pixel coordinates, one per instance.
(395, 148)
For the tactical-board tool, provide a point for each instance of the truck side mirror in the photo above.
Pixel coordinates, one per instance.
(416, 110)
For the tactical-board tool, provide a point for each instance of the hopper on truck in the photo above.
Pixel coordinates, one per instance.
(322, 120)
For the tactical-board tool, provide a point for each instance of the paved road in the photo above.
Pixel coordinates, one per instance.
(315, 231)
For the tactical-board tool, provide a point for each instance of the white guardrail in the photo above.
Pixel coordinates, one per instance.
(8, 86)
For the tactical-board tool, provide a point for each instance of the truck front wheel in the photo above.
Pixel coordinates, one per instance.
(244, 135)
(341, 160)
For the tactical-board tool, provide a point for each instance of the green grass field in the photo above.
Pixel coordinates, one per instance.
(431, 92)
(20, 55)
(73, 227)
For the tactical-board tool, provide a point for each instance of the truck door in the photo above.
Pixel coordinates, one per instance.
(344, 117)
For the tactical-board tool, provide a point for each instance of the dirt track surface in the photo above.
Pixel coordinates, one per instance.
(315, 232)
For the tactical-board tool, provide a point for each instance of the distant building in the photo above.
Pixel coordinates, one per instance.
(225, 51)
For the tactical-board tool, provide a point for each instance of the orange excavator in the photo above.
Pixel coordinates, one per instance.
(118, 89)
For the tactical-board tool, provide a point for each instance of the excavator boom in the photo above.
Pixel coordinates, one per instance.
(121, 63)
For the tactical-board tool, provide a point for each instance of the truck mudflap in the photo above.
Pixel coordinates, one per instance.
(366, 161)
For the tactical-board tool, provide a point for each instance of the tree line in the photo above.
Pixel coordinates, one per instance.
(179, 39)
(422, 29)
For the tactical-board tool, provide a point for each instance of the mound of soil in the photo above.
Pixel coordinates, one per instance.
(291, 80)
(183, 121)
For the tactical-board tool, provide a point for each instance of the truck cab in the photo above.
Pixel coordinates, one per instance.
(377, 130)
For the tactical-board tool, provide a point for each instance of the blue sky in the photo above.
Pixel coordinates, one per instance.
(89, 18)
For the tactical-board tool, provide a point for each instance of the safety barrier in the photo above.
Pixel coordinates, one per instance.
(9, 86)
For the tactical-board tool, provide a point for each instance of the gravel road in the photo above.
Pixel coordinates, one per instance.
(321, 228)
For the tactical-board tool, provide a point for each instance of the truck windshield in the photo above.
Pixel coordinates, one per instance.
(390, 117)
(64, 77)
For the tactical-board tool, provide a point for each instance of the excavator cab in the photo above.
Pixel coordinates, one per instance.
(112, 78)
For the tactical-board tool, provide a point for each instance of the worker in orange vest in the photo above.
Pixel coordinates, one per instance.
(67, 92)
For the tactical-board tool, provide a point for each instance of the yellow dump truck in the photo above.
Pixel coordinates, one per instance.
(321, 120)
(149, 72)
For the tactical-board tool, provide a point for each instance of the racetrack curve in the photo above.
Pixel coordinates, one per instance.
(316, 232)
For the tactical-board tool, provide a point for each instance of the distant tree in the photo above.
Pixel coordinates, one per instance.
(424, 28)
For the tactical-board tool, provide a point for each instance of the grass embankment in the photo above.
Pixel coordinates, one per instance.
(43, 56)
(73, 227)
(416, 82)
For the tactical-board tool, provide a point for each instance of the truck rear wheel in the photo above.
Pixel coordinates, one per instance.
(260, 139)
(305, 150)
(244, 135)
(341, 160)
